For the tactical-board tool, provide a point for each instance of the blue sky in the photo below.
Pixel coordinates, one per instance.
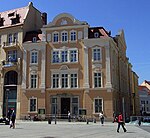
(131, 15)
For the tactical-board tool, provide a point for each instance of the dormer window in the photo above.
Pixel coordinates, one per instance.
(96, 34)
(11, 14)
(34, 39)
(15, 20)
(1, 21)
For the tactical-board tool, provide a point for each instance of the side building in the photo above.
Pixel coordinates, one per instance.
(74, 67)
(14, 24)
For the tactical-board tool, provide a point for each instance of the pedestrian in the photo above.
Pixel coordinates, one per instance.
(69, 117)
(13, 118)
(139, 121)
(121, 122)
(101, 117)
(114, 117)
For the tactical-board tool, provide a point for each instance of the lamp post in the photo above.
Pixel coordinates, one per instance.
(7, 92)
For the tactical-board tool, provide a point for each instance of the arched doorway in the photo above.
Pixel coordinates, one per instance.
(10, 92)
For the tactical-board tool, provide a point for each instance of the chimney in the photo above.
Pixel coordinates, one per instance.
(44, 18)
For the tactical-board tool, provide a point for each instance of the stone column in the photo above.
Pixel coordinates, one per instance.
(108, 73)
(24, 69)
(86, 69)
(42, 86)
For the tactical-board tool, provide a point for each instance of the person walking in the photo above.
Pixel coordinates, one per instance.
(13, 118)
(101, 117)
(69, 117)
(121, 122)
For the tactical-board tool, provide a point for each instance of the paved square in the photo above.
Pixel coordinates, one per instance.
(25, 129)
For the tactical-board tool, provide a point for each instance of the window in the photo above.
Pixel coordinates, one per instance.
(34, 57)
(64, 80)
(146, 102)
(98, 105)
(73, 56)
(64, 56)
(96, 54)
(34, 39)
(73, 80)
(96, 34)
(55, 57)
(12, 55)
(15, 37)
(54, 106)
(33, 104)
(97, 80)
(64, 36)
(73, 36)
(55, 80)
(75, 107)
(55, 37)
(33, 81)
(10, 38)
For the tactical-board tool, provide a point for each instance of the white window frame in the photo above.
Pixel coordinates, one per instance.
(93, 58)
(64, 37)
(53, 34)
(74, 35)
(94, 105)
(73, 55)
(32, 98)
(36, 79)
(94, 79)
(31, 56)
(75, 79)
(65, 52)
(55, 80)
(96, 35)
(55, 56)
(10, 38)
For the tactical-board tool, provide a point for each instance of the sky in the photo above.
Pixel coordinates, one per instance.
(133, 16)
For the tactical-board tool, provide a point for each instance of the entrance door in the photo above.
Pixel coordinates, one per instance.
(65, 107)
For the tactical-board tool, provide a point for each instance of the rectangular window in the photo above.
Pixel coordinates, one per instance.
(55, 80)
(97, 79)
(34, 57)
(64, 80)
(10, 38)
(64, 36)
(75, 107)
(54, 106)
(55, 57)
(15, 37)
(73, 36)
(98, 105)
(55, 37)
(73, 80)
(64, 56)
(73, 56)
(33, 81)
(12, 55)
(96, 54)
(33, 105)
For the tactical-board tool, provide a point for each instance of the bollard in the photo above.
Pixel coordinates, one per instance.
(87, 121)
(49, 121)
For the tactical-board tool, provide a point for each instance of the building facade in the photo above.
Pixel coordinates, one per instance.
(70, 66)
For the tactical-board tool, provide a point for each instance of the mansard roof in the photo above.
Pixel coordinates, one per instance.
(6, 17)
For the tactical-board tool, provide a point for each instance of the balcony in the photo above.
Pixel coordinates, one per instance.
(10, 65)
(10, 45)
